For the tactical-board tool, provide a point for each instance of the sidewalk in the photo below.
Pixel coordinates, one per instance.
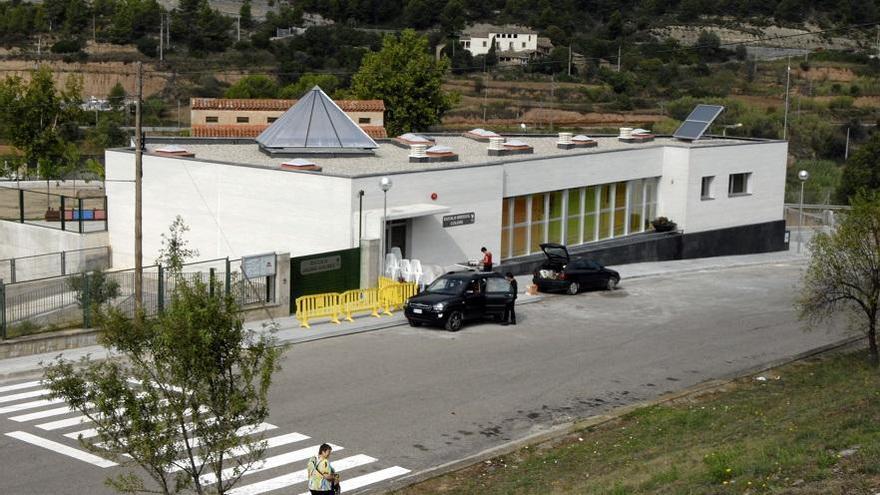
(289, 331)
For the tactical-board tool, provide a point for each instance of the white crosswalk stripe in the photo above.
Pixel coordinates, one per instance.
(298, 476)
(20, 386)
(60, 448)
(23, 406)
(270, 463)
(58, 411)
(23, 395)
(369, 479)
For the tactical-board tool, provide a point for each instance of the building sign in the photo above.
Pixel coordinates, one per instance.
(260, 265)
(458, 219)
(318, 265)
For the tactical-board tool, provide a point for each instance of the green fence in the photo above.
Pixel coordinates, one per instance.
(335, 271)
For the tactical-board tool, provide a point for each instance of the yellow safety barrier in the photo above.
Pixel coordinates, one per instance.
(385, 282)
(393, 296)
(359, 300)
(317, 305)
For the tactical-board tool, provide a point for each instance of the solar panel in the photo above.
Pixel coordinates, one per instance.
(697, 122)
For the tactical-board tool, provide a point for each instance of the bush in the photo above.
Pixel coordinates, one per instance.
(148, 46)
(67, 46)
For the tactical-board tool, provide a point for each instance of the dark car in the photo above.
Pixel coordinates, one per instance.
(457, 297)
(560, 273)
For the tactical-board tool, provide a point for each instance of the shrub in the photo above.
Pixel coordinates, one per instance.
(67, 46)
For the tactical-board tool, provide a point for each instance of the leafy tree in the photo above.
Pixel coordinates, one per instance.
(843, 276)
(245, 16)
(328, 82)
(37, 118)
(408, 78)
(862, 170)
(174, 251)
(824, 180)
(108, 132)
(93, 289)
(193, 372)
(452, 17)
(116, 97)
(708, 46)
(258, 86)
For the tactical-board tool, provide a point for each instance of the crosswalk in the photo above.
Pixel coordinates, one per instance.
(55, 427)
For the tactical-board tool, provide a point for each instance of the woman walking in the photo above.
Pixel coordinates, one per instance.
(323, 480)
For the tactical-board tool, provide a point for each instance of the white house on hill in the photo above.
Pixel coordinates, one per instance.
(478, 38)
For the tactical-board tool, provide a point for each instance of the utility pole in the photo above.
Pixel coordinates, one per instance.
(569, 59)
(846, 150)
(787, 81)
(138, 184)
(619, 52)
(161, 37)
(238, 27)
(94, 30)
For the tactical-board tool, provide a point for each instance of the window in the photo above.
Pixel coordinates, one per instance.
(739, 184)
(538, 222)
(520, 226)
(242, 120)
(554, 224)
(484, 44)
(636, 206)
(269, 120)
(211, 120)
(591, 209)
(497, 285)
(523, 44)
(619, 209)
(363, 120)
(706, 189)
(573, 226)
(605, 210)
(515, 35)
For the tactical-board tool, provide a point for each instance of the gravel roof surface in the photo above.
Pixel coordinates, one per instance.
(389, 158)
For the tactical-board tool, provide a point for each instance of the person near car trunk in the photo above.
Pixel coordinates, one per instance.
(510, 308)
(487, 259)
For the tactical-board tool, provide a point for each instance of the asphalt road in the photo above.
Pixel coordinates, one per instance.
(418, 398)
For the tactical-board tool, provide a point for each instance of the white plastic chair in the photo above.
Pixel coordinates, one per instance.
(396, 252)
(405, 270)
(417, 271)
(392, 268)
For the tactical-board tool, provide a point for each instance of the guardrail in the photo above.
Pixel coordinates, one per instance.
(389, 296)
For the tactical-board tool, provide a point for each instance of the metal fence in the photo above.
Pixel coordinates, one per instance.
(55, 211)
(62, 302)
(38, 266)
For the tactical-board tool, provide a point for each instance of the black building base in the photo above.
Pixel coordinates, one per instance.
(665, 246)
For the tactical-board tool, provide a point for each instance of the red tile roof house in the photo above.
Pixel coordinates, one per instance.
(247, 118)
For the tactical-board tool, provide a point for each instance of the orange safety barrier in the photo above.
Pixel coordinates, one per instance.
(393, 296)
(317, 305)
(359, 300)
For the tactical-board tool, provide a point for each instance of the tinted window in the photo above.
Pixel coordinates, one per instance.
(497, 284)
(446, 286)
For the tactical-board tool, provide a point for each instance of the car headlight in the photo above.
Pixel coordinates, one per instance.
(439, 306)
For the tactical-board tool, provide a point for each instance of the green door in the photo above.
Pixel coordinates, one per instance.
(336, 271)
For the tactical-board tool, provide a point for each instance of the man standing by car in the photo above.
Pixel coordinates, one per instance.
(510, 310)
(487, 259)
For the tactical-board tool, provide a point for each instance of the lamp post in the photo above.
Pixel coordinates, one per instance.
(803, 175)
(724, 128)
(384, 184)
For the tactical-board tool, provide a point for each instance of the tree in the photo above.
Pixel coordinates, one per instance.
(36, 118)
(862, 170)
(328, 82)
(116, 97)
(191, 381)
(245, 16)
(408, 78)
(174, 251)
(258, 86)
(844, 272)
(93, 290)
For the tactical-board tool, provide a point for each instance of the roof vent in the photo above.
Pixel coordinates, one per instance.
(481, 135)
(630, 135)
(441, 154)
(564, 142)
(173, 150)
(417, 153)
(497, 147)
(582, 141)
(300, 164)
(496, 143)
(409, 139)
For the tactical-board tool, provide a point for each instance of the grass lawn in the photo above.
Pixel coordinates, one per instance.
(811, 427)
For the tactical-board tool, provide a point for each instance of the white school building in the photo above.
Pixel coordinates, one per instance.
(310, 184)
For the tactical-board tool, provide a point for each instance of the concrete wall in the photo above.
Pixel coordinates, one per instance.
(673, 186)
(231, 210)
(477, 189)
(21, 239)
(764, 203)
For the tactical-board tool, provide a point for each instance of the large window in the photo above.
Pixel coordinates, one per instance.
(576, 216)
(739, 184)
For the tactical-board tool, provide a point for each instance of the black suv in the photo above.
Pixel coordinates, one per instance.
(457, 297)
(560, 273)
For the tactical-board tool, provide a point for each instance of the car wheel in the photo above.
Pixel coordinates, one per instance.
(414, 323)
(573, 288)
(612, 283)
(453, 323)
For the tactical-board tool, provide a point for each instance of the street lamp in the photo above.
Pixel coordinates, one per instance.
(724, 128)
(803, 175)
(384, 184)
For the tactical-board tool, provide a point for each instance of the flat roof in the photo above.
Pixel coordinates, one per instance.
(390, 158)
